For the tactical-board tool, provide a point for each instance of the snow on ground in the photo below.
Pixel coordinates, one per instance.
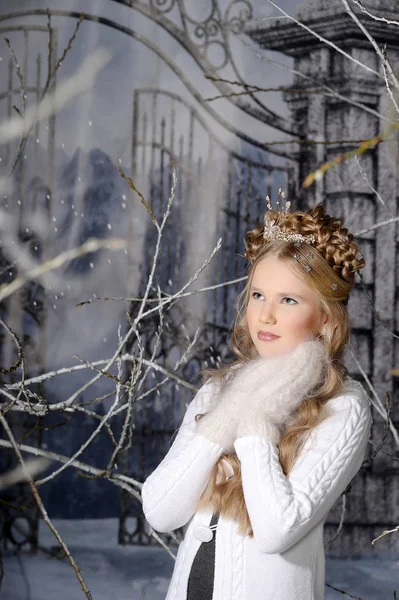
(114, 572)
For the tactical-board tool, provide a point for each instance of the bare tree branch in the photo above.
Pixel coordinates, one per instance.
(42, 509)
(118, 479)
(325, 40)
(373, 16)
(91, 245)
(378, 405)
(164, 294)
(376, 226)
(55, 101)
(17, 475)
(328, 90)
(378, 195)
(372, 42)
(52, 73)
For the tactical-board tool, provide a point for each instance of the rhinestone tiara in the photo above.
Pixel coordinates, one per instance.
(272, 230)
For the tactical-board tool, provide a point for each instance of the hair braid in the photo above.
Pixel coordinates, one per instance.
(333, 240)
(335, 258)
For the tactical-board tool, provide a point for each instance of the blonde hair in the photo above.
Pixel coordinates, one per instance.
(335, 260)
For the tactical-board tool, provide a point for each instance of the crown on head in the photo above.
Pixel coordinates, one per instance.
(272, 230)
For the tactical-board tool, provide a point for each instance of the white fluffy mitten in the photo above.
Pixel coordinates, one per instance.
(220, 424)
(254, 423)
(262, 395)
(275, 387)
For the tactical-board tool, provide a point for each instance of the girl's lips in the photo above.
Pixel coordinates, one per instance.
(264, 336)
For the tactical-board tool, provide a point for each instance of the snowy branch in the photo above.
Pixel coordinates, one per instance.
(41, 507)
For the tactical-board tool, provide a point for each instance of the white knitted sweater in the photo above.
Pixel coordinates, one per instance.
(285, 558)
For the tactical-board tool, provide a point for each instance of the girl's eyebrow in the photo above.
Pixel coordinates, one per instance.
(292, 294)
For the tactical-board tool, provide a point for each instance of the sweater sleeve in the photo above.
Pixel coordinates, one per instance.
(284, 509)
(170, 494)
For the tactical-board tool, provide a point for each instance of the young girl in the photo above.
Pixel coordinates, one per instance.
(269, 443)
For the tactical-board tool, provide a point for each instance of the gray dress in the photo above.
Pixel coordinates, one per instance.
(200, 582)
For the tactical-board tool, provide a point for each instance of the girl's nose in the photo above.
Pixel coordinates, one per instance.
(267, 315)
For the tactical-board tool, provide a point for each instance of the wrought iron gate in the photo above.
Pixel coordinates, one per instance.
(167, 127)
(25, 313)
(237, 184)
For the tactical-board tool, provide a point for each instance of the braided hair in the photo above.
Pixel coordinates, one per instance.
(332, 239)
(328, 265)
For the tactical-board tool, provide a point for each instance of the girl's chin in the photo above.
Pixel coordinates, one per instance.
(273, 348)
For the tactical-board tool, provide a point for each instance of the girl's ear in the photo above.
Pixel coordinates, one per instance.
(323, 320)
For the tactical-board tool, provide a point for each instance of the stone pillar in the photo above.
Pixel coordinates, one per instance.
(352, 191)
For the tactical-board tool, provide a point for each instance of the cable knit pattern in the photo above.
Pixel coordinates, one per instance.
(284, 560)
(184, 472)
(291, 506)
(238, 561)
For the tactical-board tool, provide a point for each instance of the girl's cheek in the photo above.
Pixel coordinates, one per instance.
(307, 324)
(301, 324)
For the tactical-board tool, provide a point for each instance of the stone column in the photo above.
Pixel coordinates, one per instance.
(351, 190)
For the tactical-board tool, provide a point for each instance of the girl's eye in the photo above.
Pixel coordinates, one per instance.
(256, 295)
(293, 301)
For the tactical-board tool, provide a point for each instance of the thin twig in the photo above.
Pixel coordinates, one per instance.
(372, 42)
(373, 16)
(119, 445)
(167, 296)
(95, 415)
(118, 479)
(376, 402)
(27, 129)
(325, 40)
(251, 89)
(125, 357)
(366, 145)
(385, 67)
(83, 447)
(42, 509)
(341, 523)
(55, 101)
(381, 53)
(343, 592)
(376, 226)
(154, 534)
(384, 533)
(371, 303)
(378, 195)
(51, 74)
(140, 195)
(91, 245)
(314, 81)
(184, 357)
(369, 459)
(18, 344)
(17, 475)
(106, 374)
(21, 112)
(158, 336)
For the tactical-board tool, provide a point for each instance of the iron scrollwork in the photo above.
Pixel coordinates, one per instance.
(208, 40)
(211, 32)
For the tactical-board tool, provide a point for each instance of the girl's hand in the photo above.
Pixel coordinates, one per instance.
(220, 424)
(262, 393)
(276, 386)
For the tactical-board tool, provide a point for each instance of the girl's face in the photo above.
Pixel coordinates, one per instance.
(282, 310)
